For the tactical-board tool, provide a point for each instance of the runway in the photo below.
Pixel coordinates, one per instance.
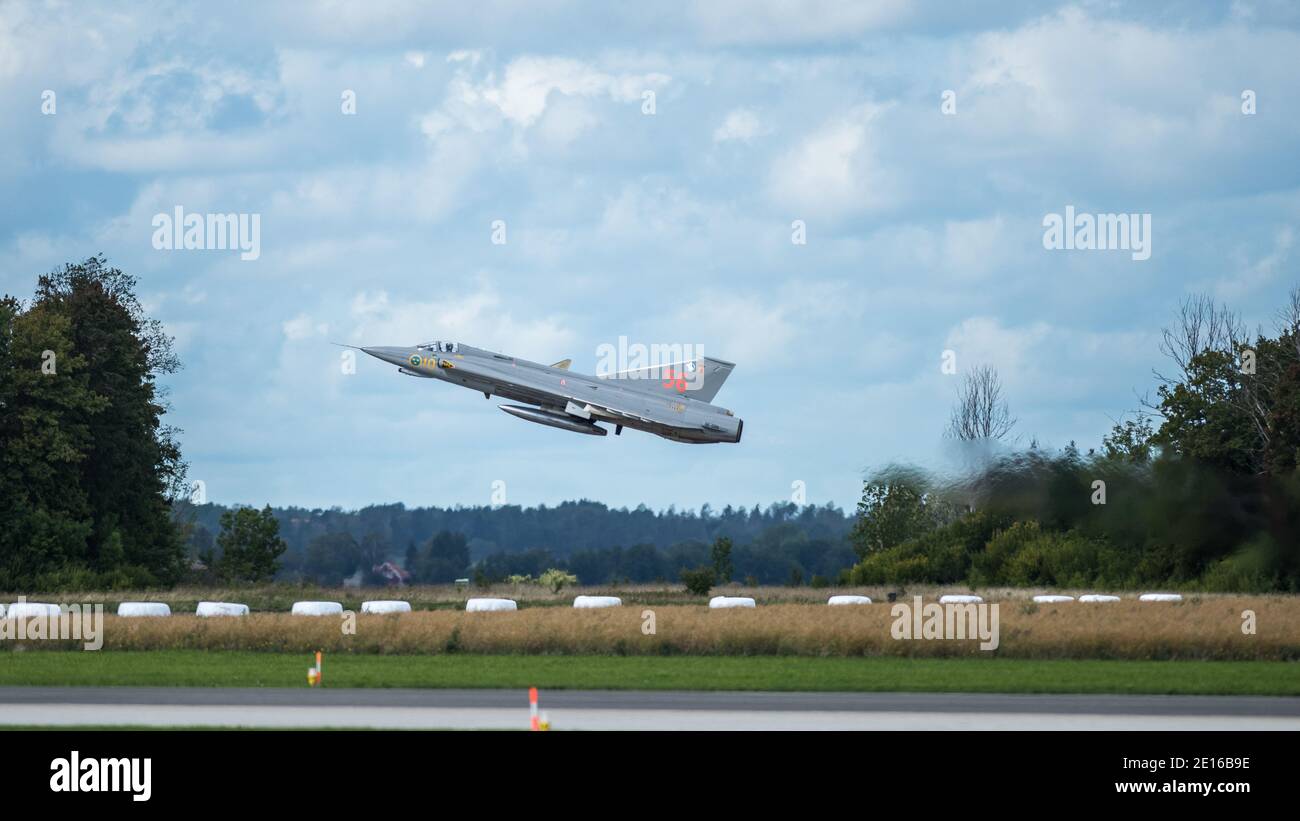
(635, 710)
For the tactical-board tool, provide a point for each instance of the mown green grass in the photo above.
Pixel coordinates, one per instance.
(191, 668)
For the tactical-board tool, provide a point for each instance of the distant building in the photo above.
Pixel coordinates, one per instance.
(391, 574)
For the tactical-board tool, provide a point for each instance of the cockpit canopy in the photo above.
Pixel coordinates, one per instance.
(439, 347)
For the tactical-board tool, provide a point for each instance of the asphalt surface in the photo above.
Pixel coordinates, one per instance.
(660, 710)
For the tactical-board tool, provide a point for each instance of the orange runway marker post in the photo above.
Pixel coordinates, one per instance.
(313, 673)
(533, 721)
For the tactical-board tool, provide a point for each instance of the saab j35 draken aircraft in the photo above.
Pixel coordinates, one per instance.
(670, 400)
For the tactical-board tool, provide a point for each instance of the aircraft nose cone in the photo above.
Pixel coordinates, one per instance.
(392, 355)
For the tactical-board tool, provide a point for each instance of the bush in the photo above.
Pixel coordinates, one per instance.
(556, 579)
(941, 556)
(1246, 571)
(698, 581)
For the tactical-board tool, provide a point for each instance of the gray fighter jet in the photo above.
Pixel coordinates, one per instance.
(670, 400)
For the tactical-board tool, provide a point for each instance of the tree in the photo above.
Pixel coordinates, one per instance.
(81, 364)
(250, 545)
(698, 581)
(1130, 442)
(46, 407)
(556, 579)
(331, 558)
(981, 412)
(374, 552)
(1227, 402)
(721, 555)
(1202, 325)
(444, 558)
(896, 506)
(1201, 420)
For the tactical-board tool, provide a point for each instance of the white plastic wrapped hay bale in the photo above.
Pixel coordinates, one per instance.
(839, 600)
(208, 609)
(2, 611)
(590, 602)
(317, 608)
(1053, 599)
(31, 609)
(955, 598)
(1097, 597)
(489, 605)
(136, 609)
(385, 606)
(721, 602)
(1160, 597)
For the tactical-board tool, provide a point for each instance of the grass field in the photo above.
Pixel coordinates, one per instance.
(243, 669)
(280, 597)
(1201, 628)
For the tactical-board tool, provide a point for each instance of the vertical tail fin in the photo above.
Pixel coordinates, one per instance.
(696, 379)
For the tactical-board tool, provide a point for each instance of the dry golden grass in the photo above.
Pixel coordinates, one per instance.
(279, 597)
(1202, 627)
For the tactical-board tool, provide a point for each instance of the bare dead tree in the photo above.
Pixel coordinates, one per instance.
(981, 411)
(1202, 325)
(1288, 317)
(1259, 386)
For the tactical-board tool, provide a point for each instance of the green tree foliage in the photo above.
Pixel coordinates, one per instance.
(555, 579)
(698, 581)
(564, 531)
(444, 558)
(896, 506)
(1232, 405)
(372, 551)
(1203, 419)
(1209, 500)
(1130, 442)
(331, 558)
(768, 559)
(721, 555)
(250, 545)
(942, 555)
(87, 469)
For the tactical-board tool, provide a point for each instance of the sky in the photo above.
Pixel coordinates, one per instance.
(837, 197)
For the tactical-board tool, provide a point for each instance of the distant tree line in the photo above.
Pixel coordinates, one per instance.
(437, 545)
(783, 554)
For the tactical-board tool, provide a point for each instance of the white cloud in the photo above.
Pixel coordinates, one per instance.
(425, 191)
(793, 21)
(833, 171)
(565, 120)
(479, 101)
(1014, 352)
(740, 124)
(1045, 364)
(477, 318)
(1254, 274)
(303, 327)
(652, 211)
(1130, 101)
